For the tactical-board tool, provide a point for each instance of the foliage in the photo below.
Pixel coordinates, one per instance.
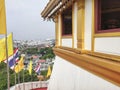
(32, 51)
(47, 53)
(3, 76)
(44, 73)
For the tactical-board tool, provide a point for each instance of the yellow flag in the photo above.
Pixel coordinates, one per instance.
(10, 44)
(16, 68)
(30, 67)
(49, 71)
(20, 65)
(2, 17)
(3, 47)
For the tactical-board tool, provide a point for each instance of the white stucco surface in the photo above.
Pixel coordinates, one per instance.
(66, 76)
(110, 45)
(75, 25)
(67, 42)
(88, 24)
(59, 30)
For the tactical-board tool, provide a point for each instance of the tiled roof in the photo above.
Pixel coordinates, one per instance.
(41, 61)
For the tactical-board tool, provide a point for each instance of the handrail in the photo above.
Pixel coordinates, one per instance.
(30, 85)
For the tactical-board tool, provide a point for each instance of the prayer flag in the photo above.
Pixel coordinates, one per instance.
(37, 69)
(49, 71)
(30, 67)
(3, 47)
(20, 65)
(2, 17)
(13, 59)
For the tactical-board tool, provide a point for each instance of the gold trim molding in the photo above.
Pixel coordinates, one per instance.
(66, 36)
(113, 34)
(103, 55)
(107, 68)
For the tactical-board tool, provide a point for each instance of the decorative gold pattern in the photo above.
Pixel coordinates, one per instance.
(73, 35)
(60, 31)
(93, 27)
(80, 23)
(56, 29)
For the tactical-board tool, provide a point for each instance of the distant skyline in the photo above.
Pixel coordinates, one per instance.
(24, 20)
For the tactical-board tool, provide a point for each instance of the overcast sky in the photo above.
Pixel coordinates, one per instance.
(25, 21)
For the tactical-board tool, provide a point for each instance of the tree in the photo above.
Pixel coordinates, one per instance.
(47, 53)
(3, 76)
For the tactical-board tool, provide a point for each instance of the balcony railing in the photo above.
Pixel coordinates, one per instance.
(30, 85)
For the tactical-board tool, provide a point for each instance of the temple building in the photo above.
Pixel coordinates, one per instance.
(87, 44)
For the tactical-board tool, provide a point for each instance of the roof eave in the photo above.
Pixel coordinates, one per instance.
(54, 6)
(50, 6)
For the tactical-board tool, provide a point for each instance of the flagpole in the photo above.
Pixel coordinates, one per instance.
(18, 76)
(31, 82)
(15, 80)
(14, 60)
(8, 77)
(23, 76)
(6, 45)
(23, 80)
(14, 68)
(15, 72)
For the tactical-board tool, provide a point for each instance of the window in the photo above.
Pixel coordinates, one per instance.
(67, 22)
(107, 15)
